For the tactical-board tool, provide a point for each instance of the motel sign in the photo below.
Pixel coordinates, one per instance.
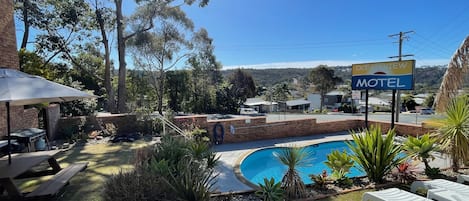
(395, 75)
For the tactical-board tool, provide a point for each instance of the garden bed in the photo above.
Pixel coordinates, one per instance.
(359, 184)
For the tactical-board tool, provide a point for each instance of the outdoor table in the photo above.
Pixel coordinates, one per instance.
(4, 143)
(21, 163)
(28, 136)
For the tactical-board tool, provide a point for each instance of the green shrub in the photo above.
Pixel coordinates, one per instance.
(270, 191)
(340, 164)
(433, 172)
(190, 180)
(420, 147)
(375, 155)
(138, 184)
(320, 180)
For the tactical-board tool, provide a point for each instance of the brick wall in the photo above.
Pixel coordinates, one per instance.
(402, 128)
(19, 118)
(124, 123)
(256, 128)
(8, 52)
(9, 58)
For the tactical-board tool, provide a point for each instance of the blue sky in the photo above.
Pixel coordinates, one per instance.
(301, 33)
(306, 33)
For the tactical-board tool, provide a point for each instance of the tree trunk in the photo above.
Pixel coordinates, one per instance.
(425, 162)
(26, 24)
(454, 158)
(161, 92)
(121, 88)
(111, 106)
(322, 102)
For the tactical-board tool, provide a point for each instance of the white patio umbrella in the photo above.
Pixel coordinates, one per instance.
(18, 88)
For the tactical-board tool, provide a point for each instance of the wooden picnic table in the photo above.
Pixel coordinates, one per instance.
(22, 163)
(21, 166)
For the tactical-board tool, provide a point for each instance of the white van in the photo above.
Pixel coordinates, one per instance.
(247, 111)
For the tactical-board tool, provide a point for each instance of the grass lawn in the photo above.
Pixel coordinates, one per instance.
(352, 196)
(104, 160)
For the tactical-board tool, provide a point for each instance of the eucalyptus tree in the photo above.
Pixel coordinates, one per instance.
(324, 80)
(206, 76)
(105, 21)
(243, 85)
(153, 9)
(161, 48)
(31, 14)
(61, 26)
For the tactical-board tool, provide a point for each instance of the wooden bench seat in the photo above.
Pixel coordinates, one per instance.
(59, 180)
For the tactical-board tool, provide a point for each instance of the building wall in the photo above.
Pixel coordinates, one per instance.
(19, 118)
(8, 52)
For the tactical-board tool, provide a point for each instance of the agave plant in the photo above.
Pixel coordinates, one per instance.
(192, 181)
(420, 147)
(376, 155)
(270, 191)
(293, 157)
(453, 131)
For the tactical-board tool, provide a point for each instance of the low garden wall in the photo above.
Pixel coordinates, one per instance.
(256, 128)
(124, 123)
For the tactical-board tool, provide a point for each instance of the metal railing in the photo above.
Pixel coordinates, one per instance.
(170, 124)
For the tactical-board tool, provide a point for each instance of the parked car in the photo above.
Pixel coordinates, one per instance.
(247, 111)
(424, 111)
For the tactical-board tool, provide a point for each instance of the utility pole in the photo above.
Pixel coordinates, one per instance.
(396, 102)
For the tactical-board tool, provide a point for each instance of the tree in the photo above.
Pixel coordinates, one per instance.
(453, 132)
(106, 22)
(324, 80)
(31, 13)
(148, 10)
(206, 77)
(429, 100)
(409, 102)
(293, 157)
(280, 92)
(160, 49)
(421, 147)
(178, 90)
(243, 85)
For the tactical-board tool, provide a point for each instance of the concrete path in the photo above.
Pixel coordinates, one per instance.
(230, 154)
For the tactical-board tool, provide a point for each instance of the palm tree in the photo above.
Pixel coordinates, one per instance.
(453, 132)
(421, 147)
(293, 157)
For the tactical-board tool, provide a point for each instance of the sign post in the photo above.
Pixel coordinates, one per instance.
(392, 75)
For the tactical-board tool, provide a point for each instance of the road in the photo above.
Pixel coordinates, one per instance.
(412, 118)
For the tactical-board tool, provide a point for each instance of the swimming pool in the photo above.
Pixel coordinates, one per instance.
(263, 164)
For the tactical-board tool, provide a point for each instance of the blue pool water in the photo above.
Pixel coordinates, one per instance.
(263, 164)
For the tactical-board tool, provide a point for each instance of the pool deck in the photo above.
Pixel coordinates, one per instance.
(231, 154)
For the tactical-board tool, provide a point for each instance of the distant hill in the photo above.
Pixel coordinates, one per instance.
(427, 78)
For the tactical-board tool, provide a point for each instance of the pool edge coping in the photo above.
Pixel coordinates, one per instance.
(239, 175)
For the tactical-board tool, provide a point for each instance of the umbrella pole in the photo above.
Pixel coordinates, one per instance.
(8, 131)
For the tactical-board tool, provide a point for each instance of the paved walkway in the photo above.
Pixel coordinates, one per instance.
(230, 154)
